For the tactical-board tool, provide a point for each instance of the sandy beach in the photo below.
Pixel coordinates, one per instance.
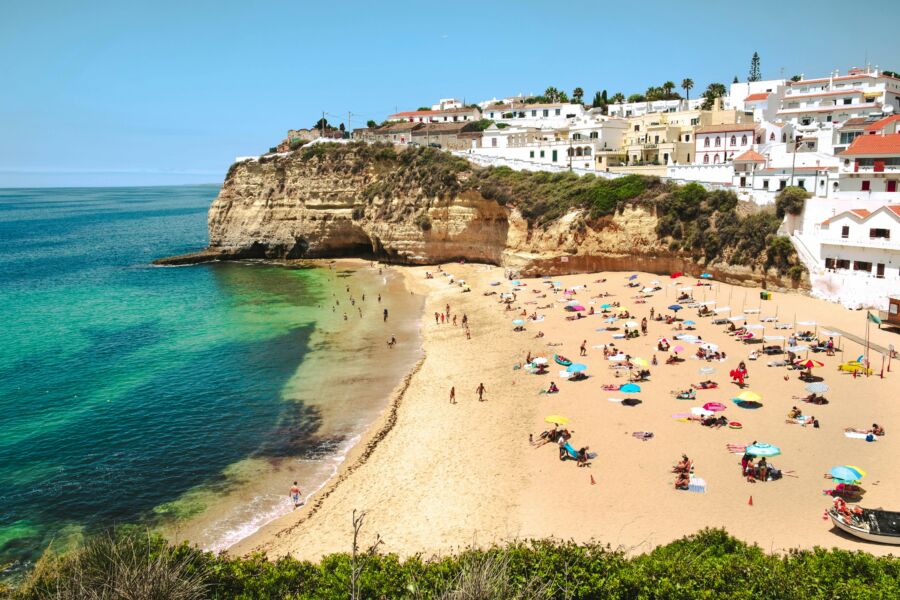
(435, 477)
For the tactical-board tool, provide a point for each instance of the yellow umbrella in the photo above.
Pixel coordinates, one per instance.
(622, 309)
(861, 472)
(749, 397)
(557, 420)
(640, 362)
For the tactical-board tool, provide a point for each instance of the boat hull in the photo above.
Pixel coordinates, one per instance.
(861, 533)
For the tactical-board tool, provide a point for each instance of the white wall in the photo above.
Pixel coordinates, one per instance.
(721, 173)
(744, 141)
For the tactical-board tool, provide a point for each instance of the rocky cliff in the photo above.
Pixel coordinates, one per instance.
(410, 208)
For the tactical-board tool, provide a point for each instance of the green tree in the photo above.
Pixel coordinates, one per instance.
(796, 77)
(668, 87)
(617, 98)
(322, 124)
(687, 84)
(755, 74)
(790, 201)
(654, 93)
(636, 98)
(424, 108)
(551, 94)
(735, 80)
(577, 95)
(598, 100)
(371, 123)
(713, 91)
(341, 127)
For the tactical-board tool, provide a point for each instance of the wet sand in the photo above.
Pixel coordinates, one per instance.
(445, 476)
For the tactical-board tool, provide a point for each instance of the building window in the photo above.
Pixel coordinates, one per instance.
(689, 157)
(765, 184)
(716, 159)
(706, 143)
(892, 185)
(842, 264)
(542, 154)
(860, 265)
(866, 185)
(531, 154)
(718, 141)
(876, 233)
(493, 142)
(743, 140)
(734, 140)
(782, 184)
(706, 159)
(587, 151)
(829, 263)
(801, 183)
(557, 112)
(845, 232)
(594, 135)
(534, 113)
(687, 137)
(772, 137)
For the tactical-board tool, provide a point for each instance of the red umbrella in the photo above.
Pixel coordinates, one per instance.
(675, 275)
(714, 406)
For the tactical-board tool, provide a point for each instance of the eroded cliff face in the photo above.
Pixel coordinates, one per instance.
(292, 207)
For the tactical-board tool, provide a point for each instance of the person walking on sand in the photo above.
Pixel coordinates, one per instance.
(442, 318)
(294, 495)
(480, 391)
(385, 315)
(453, 395)
(583, 348)
(391, 342)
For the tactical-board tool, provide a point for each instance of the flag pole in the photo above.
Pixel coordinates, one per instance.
(868, 320)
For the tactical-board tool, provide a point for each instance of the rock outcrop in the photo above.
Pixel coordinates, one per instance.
(309, 204)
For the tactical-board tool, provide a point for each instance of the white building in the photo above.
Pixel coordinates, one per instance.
(637, 109)
(837, 98)
(451, 115)
(554, 115)
(602, 132)
(762, 99)
(447, 104)
(500, 138)
(718, 144)
(871, 164)
(865, 242)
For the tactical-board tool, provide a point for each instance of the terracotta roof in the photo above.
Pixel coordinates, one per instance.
(881, 124)
(840, 78)
(756, 97)
(726, 128)
(874, 144)
(854, 123)
(401, 127)
(894, 208)
(751, 156)
(437, 128)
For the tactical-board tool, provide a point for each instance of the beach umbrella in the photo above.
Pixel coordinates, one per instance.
(809, 363)
(797, 349)
(654, 282)
(773, 338)
(706, 276)
(756, 326)
(630, 388)
(675, 307)
(714, 406)
(640, 362)
(707, 370)
(686, 289)
(737, 318)
(846, 474)
(632, 277)
(540, 360)
(690, 322)
(577, 308)
(610, 320)
(760, 449)
(518, 322)
(709, 346)
(631, 324)
(860, 358)
(817, 387)
(557, 420)
(749, 396)
(576, 368)
(675, 275)
(807, 323)
(573, 302)
(701, 412)
(722, 309)
(647, 290)
(687, 338)
(606, 306)
(677, 349)
(745, 403)
(516, 282)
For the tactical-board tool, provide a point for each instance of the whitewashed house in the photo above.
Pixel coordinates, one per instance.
(553, 116)
(450, 115)
(871, 164)
(761, 99)
(863, 242)
(637, 109)
(719, 144)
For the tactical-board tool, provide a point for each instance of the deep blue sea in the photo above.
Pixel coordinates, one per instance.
(123, 385)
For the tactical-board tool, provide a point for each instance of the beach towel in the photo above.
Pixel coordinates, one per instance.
(856, 435)
(642, 435)
(736, 448)
(615, 399)
(681, 416)
(697, 485)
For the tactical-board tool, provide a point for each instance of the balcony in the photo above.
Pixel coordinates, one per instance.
(879, 243)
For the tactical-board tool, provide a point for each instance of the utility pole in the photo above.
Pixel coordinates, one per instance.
(349, 128)
(322, 124)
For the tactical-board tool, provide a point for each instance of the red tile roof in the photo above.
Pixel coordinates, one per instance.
(863, 214)
(756, 97)
(751, 155)
(881, 124)
(894, 208)
(874, 144)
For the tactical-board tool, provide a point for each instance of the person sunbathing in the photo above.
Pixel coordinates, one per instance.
(682, 481)
(812, 399)
(609, 387)
(875, 430)
(671, 360)
(687, 395)
(713, 421)
(548, 436)
(705, 385)
(683, 466)
(582, 456)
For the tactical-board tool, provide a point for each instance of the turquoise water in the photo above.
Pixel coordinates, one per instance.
(122, 385)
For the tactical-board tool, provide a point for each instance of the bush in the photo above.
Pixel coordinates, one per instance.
(790, 201)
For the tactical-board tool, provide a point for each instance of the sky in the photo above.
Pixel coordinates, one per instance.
(116, 93)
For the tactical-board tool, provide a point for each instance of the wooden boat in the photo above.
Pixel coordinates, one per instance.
(879, 526)
(562, 360)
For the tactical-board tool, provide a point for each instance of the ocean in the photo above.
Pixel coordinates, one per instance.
(183, 398)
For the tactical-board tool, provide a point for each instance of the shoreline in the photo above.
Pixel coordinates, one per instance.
(444, 477)
(342, 411)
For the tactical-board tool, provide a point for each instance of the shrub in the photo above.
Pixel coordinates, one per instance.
(790, 201)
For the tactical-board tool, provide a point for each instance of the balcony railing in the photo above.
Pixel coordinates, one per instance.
(864, 242)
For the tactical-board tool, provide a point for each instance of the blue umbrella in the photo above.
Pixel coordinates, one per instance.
(763, 450)
(633, 277)
(606, 306)
(706, 276)
(610, 320)
(845, 473)
(630, 388)
(689, 323)
(675, 307)
(518, 322)
(576, 368)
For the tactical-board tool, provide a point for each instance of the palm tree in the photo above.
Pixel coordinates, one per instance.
(617, 98)
(668, 87)
(687, 85)
(551, 94)
(577, 95)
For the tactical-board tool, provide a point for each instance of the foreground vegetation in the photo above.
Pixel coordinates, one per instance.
(709, 564)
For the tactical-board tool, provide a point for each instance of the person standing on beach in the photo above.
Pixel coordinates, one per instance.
(379, 297)
(448, 310)
(480, 391)
(437, 317)
(385, 315)
(583, 348)
(452, 394)
(294, 495)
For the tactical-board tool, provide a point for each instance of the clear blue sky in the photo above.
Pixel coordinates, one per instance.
(127, 93)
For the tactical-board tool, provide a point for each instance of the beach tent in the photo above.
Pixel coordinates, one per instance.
(722, 309)
(736, 318)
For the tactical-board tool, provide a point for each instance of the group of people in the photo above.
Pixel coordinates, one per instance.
(762, 470)
(683, 470)
(561, 438)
